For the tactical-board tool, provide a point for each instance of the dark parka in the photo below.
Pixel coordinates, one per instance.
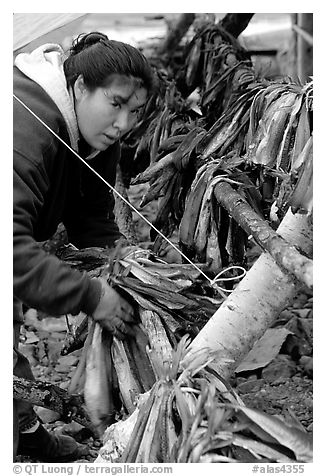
(51, 185)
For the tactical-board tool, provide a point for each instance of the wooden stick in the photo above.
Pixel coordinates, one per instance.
(47, 395)
(235, 23)
(305, 35)
(123, 212)
(177, 33)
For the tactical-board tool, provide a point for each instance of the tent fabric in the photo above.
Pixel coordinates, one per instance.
(28, 27)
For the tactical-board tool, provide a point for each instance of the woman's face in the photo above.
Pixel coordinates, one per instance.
(107, 113)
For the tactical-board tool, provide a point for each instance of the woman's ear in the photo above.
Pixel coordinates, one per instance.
(79, 87)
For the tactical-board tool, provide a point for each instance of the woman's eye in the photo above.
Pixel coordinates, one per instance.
(115, 104)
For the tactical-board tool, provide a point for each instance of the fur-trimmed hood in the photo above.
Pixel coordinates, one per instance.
(45, 66)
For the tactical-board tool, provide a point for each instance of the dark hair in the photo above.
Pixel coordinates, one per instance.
(95, 57)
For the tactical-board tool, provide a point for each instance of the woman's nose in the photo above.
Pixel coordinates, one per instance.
(121, 121)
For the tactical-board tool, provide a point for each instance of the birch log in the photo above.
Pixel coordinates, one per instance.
(286, 255)
(254, 304)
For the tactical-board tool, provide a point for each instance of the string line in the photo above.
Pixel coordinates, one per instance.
(211, 281)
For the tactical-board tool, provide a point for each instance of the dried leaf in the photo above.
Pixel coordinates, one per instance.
(265, 350)
(261, 449)
(290, 437)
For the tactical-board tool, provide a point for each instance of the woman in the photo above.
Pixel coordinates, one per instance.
(89, 99)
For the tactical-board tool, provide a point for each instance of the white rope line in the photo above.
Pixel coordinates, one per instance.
(211, 281)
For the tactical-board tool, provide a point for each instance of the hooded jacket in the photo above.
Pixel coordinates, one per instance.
(51, 185)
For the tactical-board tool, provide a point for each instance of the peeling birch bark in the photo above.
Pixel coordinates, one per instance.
(285, 254)
(255, 303)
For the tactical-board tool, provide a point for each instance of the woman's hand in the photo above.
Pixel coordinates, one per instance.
(113, 312)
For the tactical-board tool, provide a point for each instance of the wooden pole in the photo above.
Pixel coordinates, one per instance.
(306, 36)
(305, 59)
(291, 66)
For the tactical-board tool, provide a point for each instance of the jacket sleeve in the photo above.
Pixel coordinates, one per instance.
(41, 280)
(90, 219)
